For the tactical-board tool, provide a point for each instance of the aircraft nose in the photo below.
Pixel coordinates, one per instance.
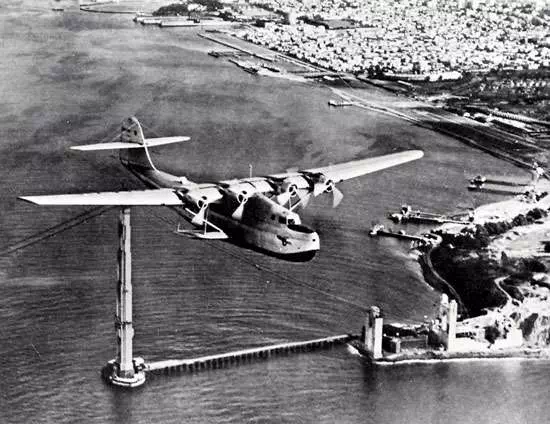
(314, 240)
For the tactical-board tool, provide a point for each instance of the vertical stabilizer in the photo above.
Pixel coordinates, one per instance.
(131, 132)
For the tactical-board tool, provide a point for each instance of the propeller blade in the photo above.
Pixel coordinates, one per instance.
(337, 197)
(238, 214)
(304, 199)
(319, 188)
(198, 219)
(283, 198)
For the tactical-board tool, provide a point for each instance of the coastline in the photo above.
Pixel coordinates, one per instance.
(436, 356)
(484, 213)
(437, 279)
(441, 121)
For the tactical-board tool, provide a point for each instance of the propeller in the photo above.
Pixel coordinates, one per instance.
(337, 196)
(199, 218)
(242, 198)
(287, 191)
(322, 185)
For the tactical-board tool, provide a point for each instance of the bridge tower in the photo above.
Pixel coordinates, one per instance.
(125, 370)
(373, 333)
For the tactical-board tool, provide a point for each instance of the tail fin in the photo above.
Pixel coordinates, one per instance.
(133, 146)
(131, 133)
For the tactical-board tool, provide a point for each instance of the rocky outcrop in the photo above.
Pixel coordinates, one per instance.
(536, 330)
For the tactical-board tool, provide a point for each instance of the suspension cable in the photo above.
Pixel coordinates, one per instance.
(56, 229)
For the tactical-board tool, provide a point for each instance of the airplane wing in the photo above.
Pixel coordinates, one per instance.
(323, 179)
(157, 197)
(284, 186)
(345, 171)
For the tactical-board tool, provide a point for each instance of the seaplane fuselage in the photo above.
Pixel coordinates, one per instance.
(264, 224)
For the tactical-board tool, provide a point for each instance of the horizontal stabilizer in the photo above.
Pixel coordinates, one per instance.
(158, 197)
(117, 145)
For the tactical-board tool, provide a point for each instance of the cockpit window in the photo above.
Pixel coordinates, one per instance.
(282, 220)
(290, 221)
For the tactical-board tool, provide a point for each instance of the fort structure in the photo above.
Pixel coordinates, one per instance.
(372, 336)
(443, 327)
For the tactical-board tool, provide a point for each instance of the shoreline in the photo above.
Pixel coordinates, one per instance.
(443, 117)
(431, 276)
(436, 356)
(380, 107)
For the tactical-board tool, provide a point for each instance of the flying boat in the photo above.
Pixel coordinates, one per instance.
(257, 212)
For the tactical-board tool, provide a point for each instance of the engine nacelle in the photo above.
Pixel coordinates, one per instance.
(330, 186)
(241, 197)
(288, 188)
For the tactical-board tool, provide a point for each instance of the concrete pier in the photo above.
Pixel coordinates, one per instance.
(225, 359)
(236, 47)
(125, 370)
(407, 214)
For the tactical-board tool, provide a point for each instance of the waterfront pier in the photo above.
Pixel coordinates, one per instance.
(241, 356)
(407, 214)
(233, 46)
(427, 239)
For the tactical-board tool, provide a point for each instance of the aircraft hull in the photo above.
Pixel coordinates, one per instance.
(298, 245)
(281, 242)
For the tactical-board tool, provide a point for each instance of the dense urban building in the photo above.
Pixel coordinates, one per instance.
(411, 36)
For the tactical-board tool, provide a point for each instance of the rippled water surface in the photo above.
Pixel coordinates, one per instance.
(70, 78)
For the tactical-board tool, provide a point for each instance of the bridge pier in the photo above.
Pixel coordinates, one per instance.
(125, 370)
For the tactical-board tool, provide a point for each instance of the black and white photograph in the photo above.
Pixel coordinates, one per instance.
(275, 211)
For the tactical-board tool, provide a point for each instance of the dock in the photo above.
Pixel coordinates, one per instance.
(227, 53)
(407, 214)
(247, 66)
(240, 356)
(427, 239)
(236, 47)
(505, 190)
(321, 74)
(339, 103)
(192, 23)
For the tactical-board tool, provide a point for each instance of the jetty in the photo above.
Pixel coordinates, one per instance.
(505, 185)
(192, 23)
(236, 47)
(240, 356)
(247, 66)
(407, 214)
(339, 103)
(423, 239)
(321, 74)
(227, 53)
